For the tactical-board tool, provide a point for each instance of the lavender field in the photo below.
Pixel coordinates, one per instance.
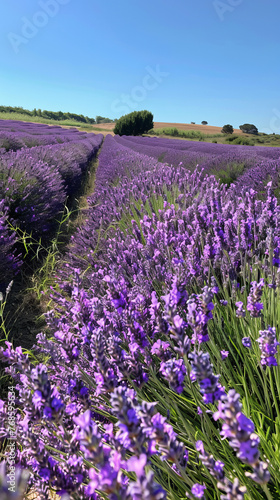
(157, 375)
(40, 166)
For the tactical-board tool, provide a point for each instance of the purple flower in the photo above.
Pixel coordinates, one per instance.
(246, 341)
(198, 490)
(37, 399)
(239, 430)
(83, 420)
(202, 372)
(240, 312)
(248, 450)
(253, 304)
(174, 371)
(199, 309)
(268, 346)
(45, 474)
(224, 354)
(161, 349)
(137, 465)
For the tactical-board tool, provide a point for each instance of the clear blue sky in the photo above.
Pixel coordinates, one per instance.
(185, 60)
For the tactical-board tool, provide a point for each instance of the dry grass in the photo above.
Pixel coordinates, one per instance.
(206, 129)
(32, 495)
(107, 128)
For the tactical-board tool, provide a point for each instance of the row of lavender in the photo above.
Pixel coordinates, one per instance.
(34, 185)
(178, 281)
(258, 163)
(15, 135)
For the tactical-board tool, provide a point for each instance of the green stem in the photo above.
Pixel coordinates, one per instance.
(273, 394)
(267, 492)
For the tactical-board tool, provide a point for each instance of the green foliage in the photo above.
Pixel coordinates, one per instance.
(248, 128)
(48, 115)
(172, 131)
(204, 122)
(102, 119)
(242, 141)
(136, 123)
(229, 173)
(47, 121)
(183, 134)
(227, 129)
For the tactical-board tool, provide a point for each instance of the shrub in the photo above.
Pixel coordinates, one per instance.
(204, 122)
(248, 128)
(33, 191)
(9, 263)
(231, 138)
(174, 132)
(242, 141)
(136, 123)
(227, 129)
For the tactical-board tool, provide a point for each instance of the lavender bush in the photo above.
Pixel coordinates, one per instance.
(35, 181)
(9, 263)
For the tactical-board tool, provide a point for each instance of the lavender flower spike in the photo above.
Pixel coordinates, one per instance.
(253, 302)
(268, 345)
(239, 430)
(202, 372)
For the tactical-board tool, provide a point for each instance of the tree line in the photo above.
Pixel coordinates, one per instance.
(54, 115)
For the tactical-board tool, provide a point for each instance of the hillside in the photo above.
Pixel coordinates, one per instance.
(206, 129)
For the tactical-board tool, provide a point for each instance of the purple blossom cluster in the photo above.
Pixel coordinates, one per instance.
(202, 372)
(239, 430)
(139, 431)
(216, 469)
(254, 306)
(268, 346)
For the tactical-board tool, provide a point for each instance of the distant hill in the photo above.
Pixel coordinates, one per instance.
(206, 129)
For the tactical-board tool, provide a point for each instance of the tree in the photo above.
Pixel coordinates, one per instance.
(248, 128)
(227, 129)
(135, 123)
(204, 122)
